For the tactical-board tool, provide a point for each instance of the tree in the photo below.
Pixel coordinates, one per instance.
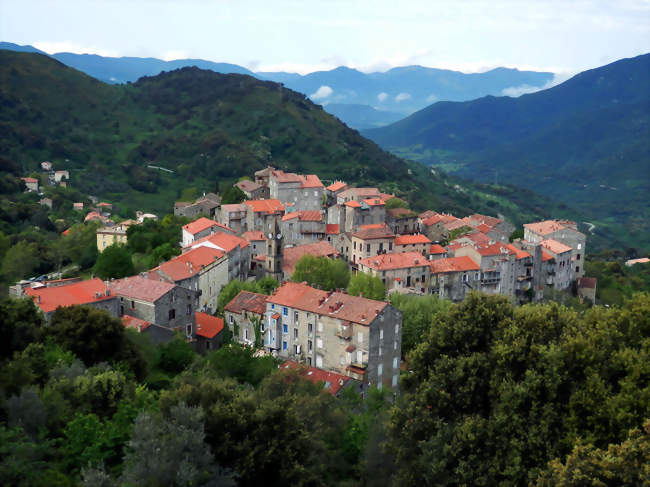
(369, 286)
(265, 285)
(114, 262)
(20, 261)
(241, 363)
(176, 355)
(396, 203)
(232, 195)
(162, 253)
(20, 324)
(322, 272)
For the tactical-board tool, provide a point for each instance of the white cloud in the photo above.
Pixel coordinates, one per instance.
(174, 54)
(402, 97)
(69, 46)
(517, 91)
(432, 98)
(321, 93)
(382, 96)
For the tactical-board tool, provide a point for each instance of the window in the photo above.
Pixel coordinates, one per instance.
(207, 345)
(380, 351)
(394, 382)
(310, 346)
(285, 311)
(230, 319)
(189, 309)
(273, 306)
(380, 369)
(381, 246)
(310, 329)
(390, 245)
(172, 314)
(295, 350)
(188, 330)
(578, 257)
(295, 333)
(354, 245)
(381, 333)
(359, 338)
(285, 329)
(579, 246)
(245, 333)
(132, 304)
(396, 329)
(395, 345)
(295, 316)
(367, 247)
(359, 357)
(395, 363)
(284, 345)
(577, 268)
(319, 343)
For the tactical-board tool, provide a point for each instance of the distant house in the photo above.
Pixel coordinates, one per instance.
(46, 166)
(253, 190)
(234, 216)
(202, 228)
(565, 232)
(30, 183)
(298, 226)
(206, 205)
(103, 206)
(110, 235)
(402, 220)
(304, 192)
(236, 248)
(333, 190)
(141, 217)
(244, 314)
(94, 216)
(46, 202)
(209, 332)
(561, 273)
(370, 240)
(412, 243)
(399, 272)
(454, 277)
(78, 206)
(587, 288)
(437, 252)
(93, 292)
(261, 215)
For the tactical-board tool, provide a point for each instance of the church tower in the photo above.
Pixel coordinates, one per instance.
(273, 263)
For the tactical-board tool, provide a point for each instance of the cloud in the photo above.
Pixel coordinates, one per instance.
(174, 54)
(402, 97)
(517, 91)
(321, 93)
(432, 98)
(69, 46)
(382, 96)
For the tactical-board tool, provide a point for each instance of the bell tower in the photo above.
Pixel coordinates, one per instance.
(273, 263)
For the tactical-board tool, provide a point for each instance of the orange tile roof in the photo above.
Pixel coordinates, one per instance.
(437, 218)
(404, 260)
(334, 304)
(453, 264)
(411, 239)
(555, 246)
(338, 185)
(332, 229)
(189, 263)
(247, 301)
(519, 254)
(493, 249)
(370, 232)
(311, 181)
(437, 249)
(548, 226)
(135, 323)
(233, 208)
(546, 256)
(304, 216)
(208, 326)
(483, 228)
(490, 221)
(84, 292)
(202, 224)
(253, 235)
(353, 204)
(457, 223)
(306, 181)
(265, 206)
(247, 185)
(260, 258)
(332, 382)
(291, 255)
(360, 193)
(30, 180)
(223, 241)
(138, 287)
(374, 202)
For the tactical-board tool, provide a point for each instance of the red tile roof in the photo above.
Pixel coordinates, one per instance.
(493, 249)
(222, 241)
(437, 249)
(93, 215)
(402, 260)
(233, 208)
(453, 264)
(555, 246)
(249, 186)
(84, 292)
(30, 180)
(208, 326)
(306, 181)
(332, 382)
(188, 264)
(587, 282)
(143, 289)
(437, 218)
(489, 221)
(458, 223)
(411, 239)
(353, 204)
(519, 254)
(311, 181)
(374, 202)
(546, 256)
(265, 206)
(400, 212)
(337, 186)
(203, 224)
(370, 232)
(334, 304)
(253, 235)
(332, 229)
(135, 323)
(360, 193)
(304, 216)
(483, 228)
(291, 255)
(549, 226)
(247, 301)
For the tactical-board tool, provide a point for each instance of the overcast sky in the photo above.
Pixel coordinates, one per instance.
(302, 36)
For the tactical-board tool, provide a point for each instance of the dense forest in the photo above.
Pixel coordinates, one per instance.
(491, 395)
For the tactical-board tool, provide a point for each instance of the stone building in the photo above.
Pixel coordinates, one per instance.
(364, 212)
(206, 206)
(587, 289)
(353, 336)
(561, 273)
(452, 278)
(236, 249)
(111, 235)
(262, 214)
(434, 225)
(498, 267)
(209, 332)
(305, 193)
(565, 232)
(402, 221)
(200, 228)
(253, 190)
(234, 216)
(244, 316)
(303, 226)
(412, 243)
(370, 240)
(30, 183)
(94, 293)
(400, 272)
(333, 190)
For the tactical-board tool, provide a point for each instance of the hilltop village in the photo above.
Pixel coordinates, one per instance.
(354, 340)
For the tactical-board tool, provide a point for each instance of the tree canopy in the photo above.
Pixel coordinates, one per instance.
(322, 272)
(114, 262)
(369, 286)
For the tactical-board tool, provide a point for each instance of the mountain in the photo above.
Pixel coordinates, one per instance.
(10, 46)
(209, 129)
(585, 142)
(362, 116)
(401, 90)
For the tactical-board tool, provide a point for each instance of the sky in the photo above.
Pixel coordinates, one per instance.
(302, 36)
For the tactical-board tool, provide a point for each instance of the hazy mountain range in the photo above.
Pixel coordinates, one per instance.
(387, 96)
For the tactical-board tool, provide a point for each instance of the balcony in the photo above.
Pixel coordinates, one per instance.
(345, 333)
(358, 365)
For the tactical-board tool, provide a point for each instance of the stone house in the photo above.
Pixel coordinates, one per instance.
(200, 228)
(437, 251)
(263, 175)
(370, 240)
(400, 272)
(366, 212)
(94, 293)
(300, 226)
(253, 190)
(162, 303)
(60, 176)
(452, 278)
(209, 332)
(402, 221)
(46, 202)
(110, 235)
(204, 270)
(206, 205)
(353, 336)
(561, 272)
(261, 215)
(244, 314)
(30, 183)
(565, 232)
(587, 289)
(495, 228)
(257, 242)
(360, 194)
(234, 216)
(435, 225)
(333, 190)
(498, 267)
(236, 248)
(412, 243)
(304, 192)
(331, 231)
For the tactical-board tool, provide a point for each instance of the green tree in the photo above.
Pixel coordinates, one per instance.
(20, 261)
(322, 272)
(20, 324)
(396, 203)
(114, 262)
(175, 355)
(241, 363)
(162, 253)
(232, 195)
(369, 286)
